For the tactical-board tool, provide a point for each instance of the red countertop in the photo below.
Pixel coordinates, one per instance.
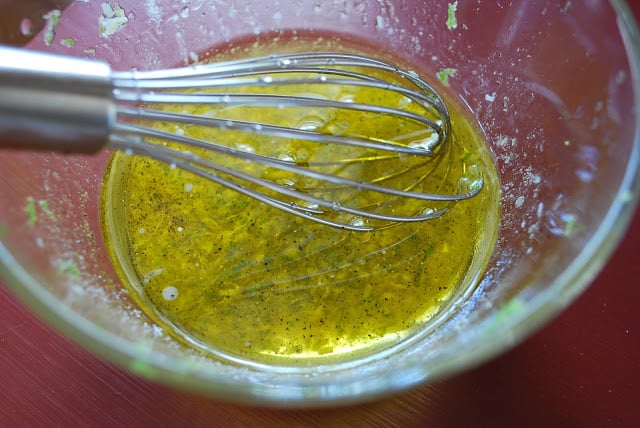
(582, 369)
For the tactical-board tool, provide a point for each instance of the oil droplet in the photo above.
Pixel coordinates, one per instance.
(357, 222)
(170, 293)
(310, 123)
(428, 212)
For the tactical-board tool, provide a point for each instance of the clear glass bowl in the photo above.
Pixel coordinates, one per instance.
(555, 87)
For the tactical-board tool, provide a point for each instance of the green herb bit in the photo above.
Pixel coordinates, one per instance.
(511, 308)
(44, 206)
(452, 21)
(444, 74)
(52, 17)
(142, 368)
(70, 267)
(570, 227)
(626, 196)
(30, 209)
(112, 19)
(68, 42)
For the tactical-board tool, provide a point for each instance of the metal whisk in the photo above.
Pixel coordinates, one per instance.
(345, 177)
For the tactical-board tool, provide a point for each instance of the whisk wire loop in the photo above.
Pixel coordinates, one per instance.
(338, 195)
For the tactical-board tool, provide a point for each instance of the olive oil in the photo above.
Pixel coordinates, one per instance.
(242, 280)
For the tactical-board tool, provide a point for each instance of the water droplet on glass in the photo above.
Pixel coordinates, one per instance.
(26, 27)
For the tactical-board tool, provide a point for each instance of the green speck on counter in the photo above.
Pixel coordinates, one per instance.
(452, 20)
(68, 42)
(3, 230)
(444, 74)
(30, 210)
(52, 17)
(44, 206)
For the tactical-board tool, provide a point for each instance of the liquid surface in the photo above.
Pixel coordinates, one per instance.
(242, 280)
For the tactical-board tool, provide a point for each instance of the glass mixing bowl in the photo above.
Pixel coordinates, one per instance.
(554, 85)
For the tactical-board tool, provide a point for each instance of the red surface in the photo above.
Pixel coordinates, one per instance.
(582, 369)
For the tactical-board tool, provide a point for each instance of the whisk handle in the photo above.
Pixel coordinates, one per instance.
(54, 102)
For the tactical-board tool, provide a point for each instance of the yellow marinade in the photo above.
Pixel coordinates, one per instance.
(232, 276)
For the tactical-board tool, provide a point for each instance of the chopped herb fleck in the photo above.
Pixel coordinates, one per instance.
(112, 19)
(142, 368)
(68, 42)
(570, 227)
(70, 267)
(511, 308)
(452, 21)
(52, 17)
(30, 209)
(626, 196)
(444, 74)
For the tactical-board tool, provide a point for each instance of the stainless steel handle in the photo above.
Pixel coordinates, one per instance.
(54, 102)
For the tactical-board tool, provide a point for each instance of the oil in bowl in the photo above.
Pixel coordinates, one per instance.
(248, 283)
